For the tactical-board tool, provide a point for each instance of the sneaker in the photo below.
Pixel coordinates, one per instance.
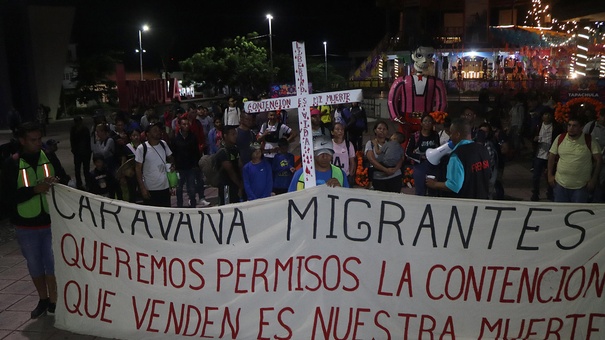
(51, 308)
(41, 308)
(203, 203)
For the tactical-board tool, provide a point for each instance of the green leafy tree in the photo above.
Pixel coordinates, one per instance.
(239, 63)
(92, 79)
(206, 67)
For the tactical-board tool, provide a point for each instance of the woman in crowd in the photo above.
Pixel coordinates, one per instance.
(344, 152)
(387, 179)
(420, 141)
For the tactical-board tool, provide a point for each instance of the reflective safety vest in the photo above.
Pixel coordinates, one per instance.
(325, 113)
(30, 177)
(336, 173)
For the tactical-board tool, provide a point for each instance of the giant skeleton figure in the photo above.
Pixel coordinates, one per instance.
(412, 96)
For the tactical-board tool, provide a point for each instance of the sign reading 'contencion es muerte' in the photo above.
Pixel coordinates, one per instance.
(329, 263)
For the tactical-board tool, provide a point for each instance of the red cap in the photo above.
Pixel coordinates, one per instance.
(315, 112)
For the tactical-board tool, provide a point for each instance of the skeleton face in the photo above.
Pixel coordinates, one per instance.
(422, 57)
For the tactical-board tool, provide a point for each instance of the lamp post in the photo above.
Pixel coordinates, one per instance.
(326, 59)
(141, 50)
(270, 17)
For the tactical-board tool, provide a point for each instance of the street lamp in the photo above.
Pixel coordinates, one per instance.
(326, 59)
(141, 50)
(270, 17)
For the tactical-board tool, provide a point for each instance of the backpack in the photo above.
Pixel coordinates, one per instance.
(274, 136)
(594, 123)
(360, 118)
(162, 143)
(210, 169)
(587, 139)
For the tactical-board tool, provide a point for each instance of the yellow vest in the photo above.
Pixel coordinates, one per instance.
(336, 173)
(30, 177)
(325, 113)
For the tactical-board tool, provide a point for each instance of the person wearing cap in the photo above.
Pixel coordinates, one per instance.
(257, 175)
(325, 171)
(151, 160)
(318, 129)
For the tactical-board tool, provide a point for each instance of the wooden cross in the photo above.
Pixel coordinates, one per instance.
(303, 101)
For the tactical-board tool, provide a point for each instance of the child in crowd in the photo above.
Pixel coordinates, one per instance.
(391, 152)
(257, 175)
(101, 182)
(215, 136)
(283, 167)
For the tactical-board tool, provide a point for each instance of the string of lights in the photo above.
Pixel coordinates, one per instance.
(589, 40)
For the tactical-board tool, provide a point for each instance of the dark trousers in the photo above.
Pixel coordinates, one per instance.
(388, 185)
(189, 178)
(356, 138)
(81, 163)
(233, 194)
(421, 170)
(540, 166)
(159, 198)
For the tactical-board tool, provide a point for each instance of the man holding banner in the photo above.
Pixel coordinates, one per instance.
(325, 171)
(25, 180)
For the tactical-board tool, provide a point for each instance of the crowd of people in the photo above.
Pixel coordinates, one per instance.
(136, 158)
(147, 159)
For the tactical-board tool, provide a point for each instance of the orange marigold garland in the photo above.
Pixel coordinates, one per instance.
(408, 176)
(562, 111)
(439, 116)
(361, 173)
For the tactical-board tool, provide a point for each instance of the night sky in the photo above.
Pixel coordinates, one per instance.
(181, 28)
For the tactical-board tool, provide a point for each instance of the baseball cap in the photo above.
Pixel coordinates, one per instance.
(323, 145)
(315, 112)
(255, 146)
(152, 124)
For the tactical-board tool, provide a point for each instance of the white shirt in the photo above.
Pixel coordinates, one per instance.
(154, 165)
(443, 137)
(544, 141)
(231, 116)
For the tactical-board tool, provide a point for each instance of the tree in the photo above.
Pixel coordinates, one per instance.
(239, 63)
(206, 67)
(92, 78)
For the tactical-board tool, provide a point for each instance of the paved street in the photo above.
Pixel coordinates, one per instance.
(17, 293)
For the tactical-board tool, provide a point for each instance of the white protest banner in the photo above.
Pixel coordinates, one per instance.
(302, 101)
(330, 263)
(286, 103)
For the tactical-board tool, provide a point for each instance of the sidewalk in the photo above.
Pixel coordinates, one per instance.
(17, 292)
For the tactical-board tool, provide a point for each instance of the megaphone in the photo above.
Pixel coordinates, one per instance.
(434, 155)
